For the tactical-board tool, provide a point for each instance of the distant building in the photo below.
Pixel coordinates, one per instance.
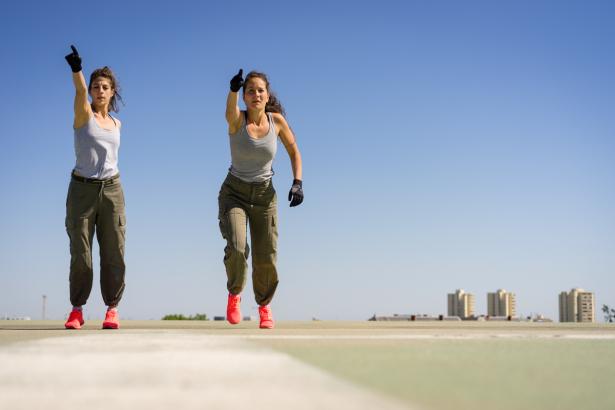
(412, 318)
(395, 317)
(461, 304)
(577, 305)
(501, 303)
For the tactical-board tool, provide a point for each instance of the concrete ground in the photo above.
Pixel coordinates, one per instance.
(304, 365)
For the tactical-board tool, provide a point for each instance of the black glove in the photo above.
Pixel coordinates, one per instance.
(237, 81)
(74, 61)
(295, 195)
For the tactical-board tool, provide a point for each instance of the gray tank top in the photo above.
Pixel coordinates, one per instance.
(96, 149)
(251, 158)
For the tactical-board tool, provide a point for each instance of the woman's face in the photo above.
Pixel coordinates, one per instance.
(101, 91)
(255, 95)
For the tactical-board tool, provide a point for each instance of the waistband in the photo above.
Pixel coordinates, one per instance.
(232, 178)
(106, 181)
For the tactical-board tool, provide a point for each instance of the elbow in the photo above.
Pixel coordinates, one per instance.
(295, 156)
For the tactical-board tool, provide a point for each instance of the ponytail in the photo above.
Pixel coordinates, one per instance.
(274, 105)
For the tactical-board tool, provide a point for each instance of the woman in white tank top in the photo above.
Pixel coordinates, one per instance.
(95, 200)
(247, 196)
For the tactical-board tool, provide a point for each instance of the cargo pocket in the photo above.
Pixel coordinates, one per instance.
(75, 226)
(222, 212)
(68, 225)
(273, 232)
(121, 223)
(223, 224)
(77, 230)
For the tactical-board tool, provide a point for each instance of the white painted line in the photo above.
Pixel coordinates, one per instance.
(167, 371)
(486, 336)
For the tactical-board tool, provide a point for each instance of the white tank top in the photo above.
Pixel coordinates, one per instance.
(251, 158)
(96, 149)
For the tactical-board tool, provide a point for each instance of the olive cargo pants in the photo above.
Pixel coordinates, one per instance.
(96, 205)
(242, 203)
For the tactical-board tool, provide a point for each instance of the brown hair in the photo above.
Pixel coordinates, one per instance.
(106, 72)
(274, 104)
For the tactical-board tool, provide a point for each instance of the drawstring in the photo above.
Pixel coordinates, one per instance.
(100, 192)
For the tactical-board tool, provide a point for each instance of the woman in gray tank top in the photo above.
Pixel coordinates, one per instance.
(247, 195)
(95, 200)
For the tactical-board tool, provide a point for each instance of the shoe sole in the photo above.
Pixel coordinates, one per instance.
(110, 326)
(73, 327)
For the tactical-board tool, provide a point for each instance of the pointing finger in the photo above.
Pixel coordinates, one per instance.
(74, 49)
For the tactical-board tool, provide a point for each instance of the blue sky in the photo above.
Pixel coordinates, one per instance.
(445, 145)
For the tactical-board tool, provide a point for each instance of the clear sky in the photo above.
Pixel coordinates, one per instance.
(445, 145)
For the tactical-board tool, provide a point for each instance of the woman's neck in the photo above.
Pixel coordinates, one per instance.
(101, 111)
(256, 117)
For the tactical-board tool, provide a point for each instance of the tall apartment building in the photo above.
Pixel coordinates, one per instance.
(461, 304)
(501, 303)
(577, 305)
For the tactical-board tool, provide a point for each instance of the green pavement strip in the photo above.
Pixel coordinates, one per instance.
(470, 374)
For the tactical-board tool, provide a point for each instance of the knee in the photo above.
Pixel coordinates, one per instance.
(235, 251)
(80, 257)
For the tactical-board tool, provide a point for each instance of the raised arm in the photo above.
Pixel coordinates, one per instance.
(233, 114)
(295, 196)
(82, 108)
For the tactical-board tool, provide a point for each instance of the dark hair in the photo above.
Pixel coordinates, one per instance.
(274, 104)
(106, 72)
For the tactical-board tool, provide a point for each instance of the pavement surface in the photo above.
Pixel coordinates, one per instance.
(305, 365)
(167, 369)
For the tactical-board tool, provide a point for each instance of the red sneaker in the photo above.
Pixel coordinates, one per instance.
(112, 321)
(233, 314)
(75, 320)
(266, 319)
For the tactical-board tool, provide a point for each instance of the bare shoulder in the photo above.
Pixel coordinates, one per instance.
(280, 121)
(277, 117)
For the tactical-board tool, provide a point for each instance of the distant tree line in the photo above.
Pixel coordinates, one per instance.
(198, 316)
(609, 314)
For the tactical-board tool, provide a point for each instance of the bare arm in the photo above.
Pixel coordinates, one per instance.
(82, 108)
(233, 114)
(290, 143)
